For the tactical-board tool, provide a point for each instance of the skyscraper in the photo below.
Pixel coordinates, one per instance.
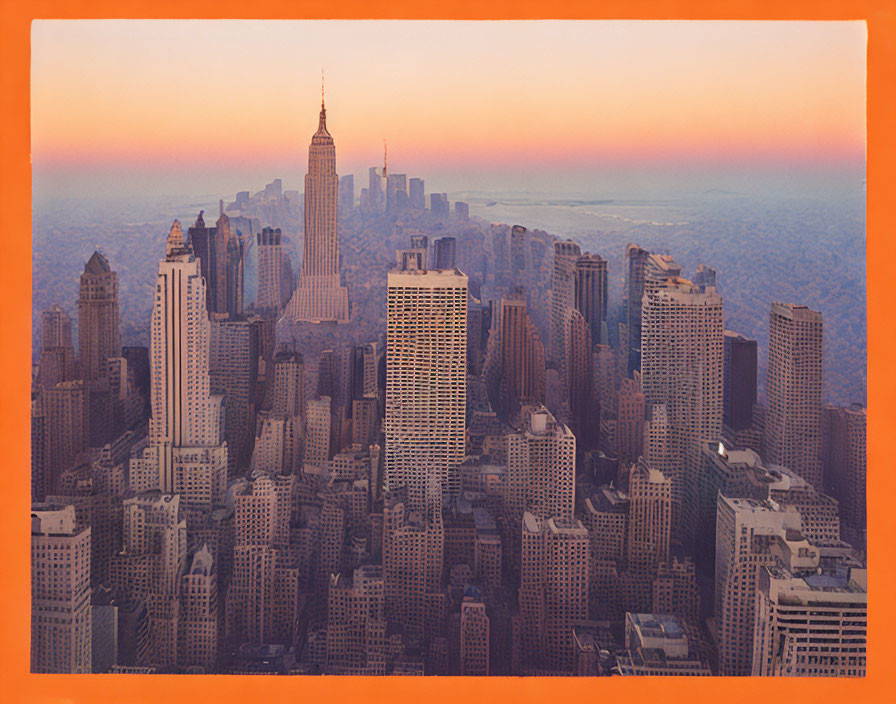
(846, 457)
(97, 317)
(445, 253)
(320, 295)
(474, 637)
(151, 564)
(681, 368)
(515, 363)
(269, 297)
(794, 383)
(740, 380)
(417, 194)
(649, 518)
(591, 293)
(60, 591)
(745, 528)
(541, 467)
(233, 367)
(185, 453)
(426, 348)
(57, 354)
(563, 299)
(346, 193)
(553, 591)
(227, 274)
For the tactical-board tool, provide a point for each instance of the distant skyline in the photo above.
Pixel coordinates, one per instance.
(123, 107)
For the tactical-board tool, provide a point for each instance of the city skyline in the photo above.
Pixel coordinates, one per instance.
(416, 484)
(782, 100)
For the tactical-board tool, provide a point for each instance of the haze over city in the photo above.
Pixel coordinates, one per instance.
(503, 348)
(164, 107)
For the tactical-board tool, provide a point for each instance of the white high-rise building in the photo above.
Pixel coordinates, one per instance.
(811, 622)
(793, 423)
(60, 591)
(682, 350)
(185, 453)
(745, 531)
(426, 376)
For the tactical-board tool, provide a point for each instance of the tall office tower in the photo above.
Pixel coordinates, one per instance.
(426, 393)
(704, 277)
(630, 417)
(395, 184)
(320, 295)
(39, 477)
(474, 637)
(371, 361)
(331, 529)
(515, 364)
(227, 274)
(413, 550)
(541, 468)
(318, 432)
(461, 210)
(810, 622)
(277, 444)
(445, 253)
(649, 519)
(150, 567)
(793, 423)
(553, 591)
(328, 375)
(658, 450)
(745, 529)
(645, 272)
(636, 266)
(439, 206)
(289, 383)
(682, 333)
(563, 300)
(346, 192)
(269, 294)
(57, 354)
(591, 293)
(184, 453)
(416, 194)
(198, 638)
(262, 600)
(65, 409)
(518, 259)
(233, 367)
(584, 411)
(97, 317)
(846, 458)
(739, 393)
(60, 591)
(376, 197)
(356, 626)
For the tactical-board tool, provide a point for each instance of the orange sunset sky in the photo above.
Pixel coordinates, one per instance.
(117, 100)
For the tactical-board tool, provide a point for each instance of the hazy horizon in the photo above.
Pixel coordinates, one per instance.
(125, 108)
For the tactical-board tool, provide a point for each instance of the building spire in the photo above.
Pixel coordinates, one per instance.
(322, 125)
(384, 157)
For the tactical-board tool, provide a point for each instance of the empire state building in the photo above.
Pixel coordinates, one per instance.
(320, 295)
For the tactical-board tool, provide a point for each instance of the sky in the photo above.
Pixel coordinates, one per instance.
(121, 107)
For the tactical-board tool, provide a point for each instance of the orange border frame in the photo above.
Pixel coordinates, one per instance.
(17, 685)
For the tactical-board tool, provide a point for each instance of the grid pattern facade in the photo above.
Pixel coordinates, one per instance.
(794, 385)
(426, 355)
